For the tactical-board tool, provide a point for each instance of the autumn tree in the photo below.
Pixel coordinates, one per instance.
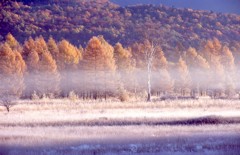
(235, 49)
(29, 45)
(162, 81)
(212, 52)
(125, 66)
(67, 61)
(13, 43)
(69, 55)
(99, 64)
(111, 81)
(228, 63)
(182, 77)
(53, 48)
(12, 68)
(43, 77)
(199, 70)
(138, 57)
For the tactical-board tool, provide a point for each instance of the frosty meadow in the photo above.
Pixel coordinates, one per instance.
(93, 77)
(166, 127)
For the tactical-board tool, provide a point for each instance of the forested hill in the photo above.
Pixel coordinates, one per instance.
(79, 20)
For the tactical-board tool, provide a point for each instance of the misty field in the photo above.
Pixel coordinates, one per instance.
(80, 127)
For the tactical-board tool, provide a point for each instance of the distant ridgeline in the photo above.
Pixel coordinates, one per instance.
(224, 6)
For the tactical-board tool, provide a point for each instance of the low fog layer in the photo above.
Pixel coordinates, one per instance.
(86, 84)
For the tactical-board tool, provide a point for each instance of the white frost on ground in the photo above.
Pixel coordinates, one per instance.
(132, 139)
(78, 114)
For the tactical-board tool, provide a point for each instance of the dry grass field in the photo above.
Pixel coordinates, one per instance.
(179, 127)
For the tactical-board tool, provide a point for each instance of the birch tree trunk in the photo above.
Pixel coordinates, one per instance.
(149, 83)
(149, 55)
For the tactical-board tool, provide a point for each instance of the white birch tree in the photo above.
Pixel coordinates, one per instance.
(149, 52)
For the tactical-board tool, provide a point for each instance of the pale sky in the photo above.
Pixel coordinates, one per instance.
(226, 6)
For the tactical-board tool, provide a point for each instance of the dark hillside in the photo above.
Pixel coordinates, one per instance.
(77, 21)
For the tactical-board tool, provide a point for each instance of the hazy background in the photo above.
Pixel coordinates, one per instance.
(225, 6)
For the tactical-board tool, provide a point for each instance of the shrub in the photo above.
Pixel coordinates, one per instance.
(123, 95)
(72, 96)
(35, 96)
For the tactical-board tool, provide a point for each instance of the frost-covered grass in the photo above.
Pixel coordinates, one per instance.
(206, 139)
(67, 127)
(67, 111)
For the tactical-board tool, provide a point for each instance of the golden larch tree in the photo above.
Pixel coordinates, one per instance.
(125, 66)
(140, 52)
(182, 78)
(212, 51)
(99, 65)
(13, 43)
(12, 69)
(199, 70)
(43, 77)
(228, 63)
(53, 48)
(162, 81)
(67, 61)
(69, 55)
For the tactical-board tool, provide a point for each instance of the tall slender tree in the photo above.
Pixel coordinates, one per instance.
(125, 66)
(67, 61)
(162, 81)
(42, 77)
(199, 70)
(12, 68)
(212, 51)
(53, 48)
(149, 51)
(182, 77)
(99, 63)
(228, 63)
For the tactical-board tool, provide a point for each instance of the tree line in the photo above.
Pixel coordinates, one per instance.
(100, 70)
